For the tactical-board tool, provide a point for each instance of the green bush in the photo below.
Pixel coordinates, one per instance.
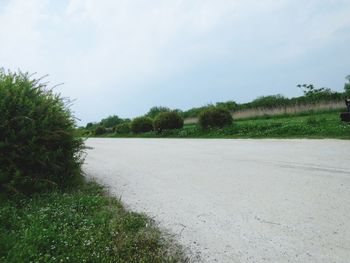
(122, 128)
(214, 117)
(100, 130)
(168, 121)
(38, 149)
(141, 124)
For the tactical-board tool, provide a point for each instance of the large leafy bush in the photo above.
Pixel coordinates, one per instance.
(122, 128)
(38, 149)
(141, 124)
(100, 130)
(168, 121)
(214, 117)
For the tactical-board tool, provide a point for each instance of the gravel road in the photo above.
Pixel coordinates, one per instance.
(236, 200)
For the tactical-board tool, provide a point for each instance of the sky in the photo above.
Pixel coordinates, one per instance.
(124, 56)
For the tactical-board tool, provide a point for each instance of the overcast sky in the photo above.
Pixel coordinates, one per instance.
(124, 56)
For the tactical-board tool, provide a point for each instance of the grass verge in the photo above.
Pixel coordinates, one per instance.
(83, 225)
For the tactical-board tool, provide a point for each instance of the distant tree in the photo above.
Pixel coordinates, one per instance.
(270, 101)
(228, 105)
(111, 121)
(347, 85)
(89, 125)
(154, 111)
(309, 89)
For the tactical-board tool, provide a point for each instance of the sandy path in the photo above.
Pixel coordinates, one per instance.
(236, 200)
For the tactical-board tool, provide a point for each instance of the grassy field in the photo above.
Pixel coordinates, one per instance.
(305, 125)
(83, 225)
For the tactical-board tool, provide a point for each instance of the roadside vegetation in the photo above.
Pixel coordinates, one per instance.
(315, 114)
(48, 212)
(80, 225)
(309, 125)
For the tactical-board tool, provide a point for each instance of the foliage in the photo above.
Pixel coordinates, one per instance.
(89, 125)
(214, 117)
(271, 101)
(303, 125)
(141, 124)
(38, 149)
(100, 130)
(228, 105)
(194, 112)
(122, 128)
(309, 89)
(168, 121)
(154, 111)
(111, 121)
(347, 86)
(78, 226)
(311, 95)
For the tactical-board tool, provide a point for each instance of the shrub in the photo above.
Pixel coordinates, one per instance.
(141, 124)
(168, 121)
(38, 149)
(214, 117)
(100, 130)
(122, 128)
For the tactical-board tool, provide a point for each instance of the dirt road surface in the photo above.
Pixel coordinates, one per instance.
(236, 200)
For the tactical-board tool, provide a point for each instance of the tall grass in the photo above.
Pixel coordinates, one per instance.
(287, 110)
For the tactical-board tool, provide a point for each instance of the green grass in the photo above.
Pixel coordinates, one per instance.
(311, 125)
(83, 225)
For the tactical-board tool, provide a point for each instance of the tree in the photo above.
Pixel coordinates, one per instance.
(309, 89)
(228, 105)
(347, 85)
(111, 121)
(154, 111)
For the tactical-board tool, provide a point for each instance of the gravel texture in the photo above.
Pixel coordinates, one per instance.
(236, 200)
